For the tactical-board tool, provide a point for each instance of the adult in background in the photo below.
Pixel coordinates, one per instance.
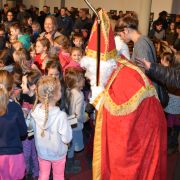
(10, 20)
(65, 23)
(157, 32)
(50, 27)
(4, 13)
(163, 18)
(143, 48)
(83, 22)
(22, 13)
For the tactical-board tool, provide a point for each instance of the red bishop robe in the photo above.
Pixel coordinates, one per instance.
(130, 133)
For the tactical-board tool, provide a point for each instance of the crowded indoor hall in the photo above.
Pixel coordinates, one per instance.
(89, 90)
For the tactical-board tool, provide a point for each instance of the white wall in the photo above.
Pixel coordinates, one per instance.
(123, 5)
(176, 7)
(31, 2)
(128, 5)
(171, 6)
(50, 3)
(160, 5)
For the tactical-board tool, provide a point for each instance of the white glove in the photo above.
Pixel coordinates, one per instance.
(96, 90)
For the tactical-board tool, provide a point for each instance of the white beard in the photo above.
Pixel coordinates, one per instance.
(106, 69)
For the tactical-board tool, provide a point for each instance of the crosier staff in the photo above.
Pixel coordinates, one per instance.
(98, 41)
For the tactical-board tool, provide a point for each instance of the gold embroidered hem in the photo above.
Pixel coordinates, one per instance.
(131, 105)
(97, 146)
(103, 56)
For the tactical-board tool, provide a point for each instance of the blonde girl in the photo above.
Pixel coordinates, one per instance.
(42, 48)
(51, 129)
(12, 129)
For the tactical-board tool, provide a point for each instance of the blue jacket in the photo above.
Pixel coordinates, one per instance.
(12, 128)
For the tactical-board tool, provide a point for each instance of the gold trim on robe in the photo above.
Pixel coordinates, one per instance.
(123, 109)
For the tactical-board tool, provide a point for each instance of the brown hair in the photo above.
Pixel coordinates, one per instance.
(73, 76)
(168, 57)
(63, 41)
(17, 45)
(5, 58)
(47, 88)
(35, 23)
(6, 84)
(15, 26)
(76, 49)
(45, 42)
(32, 77)
(128, 21)
(77, 35)
(54, 21)
(177, 58)
(22, 56)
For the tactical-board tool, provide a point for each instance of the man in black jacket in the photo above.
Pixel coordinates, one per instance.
(65, 23)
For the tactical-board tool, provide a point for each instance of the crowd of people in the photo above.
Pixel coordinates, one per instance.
(43, 85)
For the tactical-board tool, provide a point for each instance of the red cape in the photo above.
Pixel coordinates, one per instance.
(130, 134)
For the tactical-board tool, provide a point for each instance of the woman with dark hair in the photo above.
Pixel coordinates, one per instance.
(10, 20)
(157, 32)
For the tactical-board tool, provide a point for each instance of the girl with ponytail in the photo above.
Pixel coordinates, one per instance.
(52, 130)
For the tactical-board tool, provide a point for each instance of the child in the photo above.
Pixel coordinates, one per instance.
(62, 43)
(41, 58)
(12, 128)
(6, 61)
(51, 128)
(23, 60)
(166, 59)
(32, 51)
(78, 40)
(74, 80)
(27, 100)
(16, 34)
(36, 27)
(173, 107)
(17, 76)
(54, 69)
(17, 45)
(76, 55)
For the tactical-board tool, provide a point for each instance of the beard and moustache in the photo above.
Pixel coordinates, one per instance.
(106, 69)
